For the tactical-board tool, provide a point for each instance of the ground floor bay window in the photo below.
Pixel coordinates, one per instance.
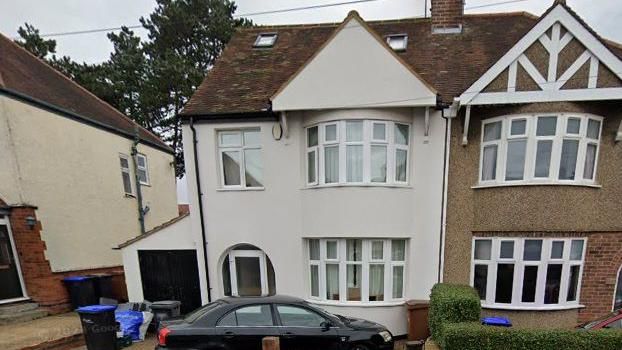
(357, 270)
(528, 273)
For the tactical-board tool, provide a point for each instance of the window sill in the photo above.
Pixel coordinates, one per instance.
(533, 308)
(143, 184)
(518, 184)
(312, 187)
(240, 189)
(356, 303)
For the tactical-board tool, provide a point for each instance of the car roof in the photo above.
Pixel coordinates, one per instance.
(266, 299)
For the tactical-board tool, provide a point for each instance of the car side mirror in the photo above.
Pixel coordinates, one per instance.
(325, 326)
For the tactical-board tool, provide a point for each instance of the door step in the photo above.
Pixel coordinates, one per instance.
(20, 312)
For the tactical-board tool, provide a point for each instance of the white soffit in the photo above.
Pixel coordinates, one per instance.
(550, 85)
(355, 68)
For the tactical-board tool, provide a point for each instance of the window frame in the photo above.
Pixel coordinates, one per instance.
(367, 142)
(532, 139)
(144, 168)
(365, 263)
(404, 38)
(127, 171)
(519, 266)
(240, 148)
(257, 43)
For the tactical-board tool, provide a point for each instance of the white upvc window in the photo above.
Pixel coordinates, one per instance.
(240, 159)
(126, 177)
(357, 270)
(528, 273)
(142, 169)
(548, 148)
(358, 152)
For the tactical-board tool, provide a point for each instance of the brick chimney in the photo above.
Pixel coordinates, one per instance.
(447, 16)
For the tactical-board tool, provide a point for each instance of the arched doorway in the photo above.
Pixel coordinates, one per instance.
(247, 271)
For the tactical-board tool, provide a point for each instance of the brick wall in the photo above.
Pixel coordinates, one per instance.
(42, 285)
(602, 262)
(447, 14)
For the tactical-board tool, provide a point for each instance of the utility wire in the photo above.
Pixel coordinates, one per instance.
(251, 14)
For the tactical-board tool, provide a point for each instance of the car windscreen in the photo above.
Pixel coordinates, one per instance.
(200, 312)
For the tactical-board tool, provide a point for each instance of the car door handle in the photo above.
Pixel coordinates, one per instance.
(229, 335)
(288, 335)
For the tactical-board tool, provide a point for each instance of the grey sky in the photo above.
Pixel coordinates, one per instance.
(52, 16)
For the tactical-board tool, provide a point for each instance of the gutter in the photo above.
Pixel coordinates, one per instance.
(80, 118)
(200, 198)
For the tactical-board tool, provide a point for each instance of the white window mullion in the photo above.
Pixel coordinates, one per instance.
(366, 246)
(343, 278)
(322, 270)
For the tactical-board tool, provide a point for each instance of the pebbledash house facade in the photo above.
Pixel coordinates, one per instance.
(358, 164)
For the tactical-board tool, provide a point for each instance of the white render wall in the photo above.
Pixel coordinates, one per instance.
(279, 218)
(71, 172)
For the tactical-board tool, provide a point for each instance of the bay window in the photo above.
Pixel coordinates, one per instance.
(357, 270)
(524, 273)
(357, 152)
(540, 149)
(240, 159)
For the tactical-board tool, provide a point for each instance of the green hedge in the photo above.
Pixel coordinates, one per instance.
(473, 336)
(452, 303)
(454, 323)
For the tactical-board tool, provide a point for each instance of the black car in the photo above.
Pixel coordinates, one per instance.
(242, 323)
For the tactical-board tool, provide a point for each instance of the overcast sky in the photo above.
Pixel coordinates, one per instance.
(54, 16)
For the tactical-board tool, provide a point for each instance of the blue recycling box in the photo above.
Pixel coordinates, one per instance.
(496, 321)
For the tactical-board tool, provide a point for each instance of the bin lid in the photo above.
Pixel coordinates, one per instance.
(496, 321)
(96, 309)
(166, 304)
(76, 278)
(100, 275)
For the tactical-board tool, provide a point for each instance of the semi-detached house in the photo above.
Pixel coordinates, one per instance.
(357, 164)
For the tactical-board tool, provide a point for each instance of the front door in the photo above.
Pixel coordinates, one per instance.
(10, 279)
(248, 273)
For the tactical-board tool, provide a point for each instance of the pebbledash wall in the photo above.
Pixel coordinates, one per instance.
(279, 218)
(67, 175)
(540, 211)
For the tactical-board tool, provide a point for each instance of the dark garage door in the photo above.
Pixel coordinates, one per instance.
(171, 275)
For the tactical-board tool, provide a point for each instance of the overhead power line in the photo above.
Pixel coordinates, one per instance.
(250, 14)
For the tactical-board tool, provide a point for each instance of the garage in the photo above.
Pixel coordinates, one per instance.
(164, 264)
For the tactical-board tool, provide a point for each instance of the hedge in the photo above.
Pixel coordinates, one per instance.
(452, 303)
(454, 323)
(473, 336)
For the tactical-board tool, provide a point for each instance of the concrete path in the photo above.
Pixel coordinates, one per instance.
(47, 329)
(148, 344)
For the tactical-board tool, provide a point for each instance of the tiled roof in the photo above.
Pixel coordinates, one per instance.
(153, 230)
(26, 75)
(244, 78)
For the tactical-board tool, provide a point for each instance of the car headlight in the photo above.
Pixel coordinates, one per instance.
(386, 335)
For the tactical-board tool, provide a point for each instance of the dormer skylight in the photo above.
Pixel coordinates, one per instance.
(397, 42)
(265, 40)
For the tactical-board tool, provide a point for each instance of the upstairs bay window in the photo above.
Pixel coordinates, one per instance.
(240, 159)
(357, 270)
(547, 148)
(528, 273)
(358, 152)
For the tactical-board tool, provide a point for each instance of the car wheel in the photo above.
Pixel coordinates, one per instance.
(359, 347)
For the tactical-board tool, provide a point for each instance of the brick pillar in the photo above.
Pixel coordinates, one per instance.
(602, 263)
(42, 286)
(447, 16)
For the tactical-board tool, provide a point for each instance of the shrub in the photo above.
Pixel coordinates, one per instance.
(452, 303)
(473, 336)
(454, 323)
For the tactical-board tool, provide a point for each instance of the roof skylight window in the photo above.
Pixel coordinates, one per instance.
(398, 42)
(265, 40)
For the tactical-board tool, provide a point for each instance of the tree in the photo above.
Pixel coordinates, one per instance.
(150, 81)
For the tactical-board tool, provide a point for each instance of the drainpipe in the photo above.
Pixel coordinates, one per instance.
(200, 197)
(139, 194)
(453, 108)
